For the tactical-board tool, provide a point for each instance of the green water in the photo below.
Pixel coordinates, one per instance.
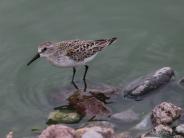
(150, 36)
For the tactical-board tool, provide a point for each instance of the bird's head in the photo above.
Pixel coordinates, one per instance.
(45, 49)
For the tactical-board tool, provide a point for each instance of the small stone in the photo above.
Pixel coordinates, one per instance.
(102, 131)
(63, 116)
(126, 116)
(165, 113)
(180, 129)
(162, 130)
(92, 134)
(57, 131)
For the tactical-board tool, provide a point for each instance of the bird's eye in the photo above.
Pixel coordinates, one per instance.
(44, 49)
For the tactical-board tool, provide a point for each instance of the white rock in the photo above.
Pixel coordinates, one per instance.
(180, 129)
(92, 134)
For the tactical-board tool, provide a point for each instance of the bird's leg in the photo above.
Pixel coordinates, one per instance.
(84, 77)
(73, 76)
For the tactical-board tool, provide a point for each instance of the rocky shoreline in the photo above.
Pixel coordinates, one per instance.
(165, 120)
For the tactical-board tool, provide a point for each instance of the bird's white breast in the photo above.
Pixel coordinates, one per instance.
(65, 61)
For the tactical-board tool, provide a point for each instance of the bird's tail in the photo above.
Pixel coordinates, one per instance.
(105, 42)
(102, 43)
(112, 40)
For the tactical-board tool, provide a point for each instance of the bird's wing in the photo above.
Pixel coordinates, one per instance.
(78, 50)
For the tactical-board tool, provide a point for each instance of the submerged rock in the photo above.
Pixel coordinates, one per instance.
(145, 124)
(64, 116)
(165, 113)
(98, 123)
(95, 132)
(126, 116)
(58, 131)
(148, 83)
(60, 95)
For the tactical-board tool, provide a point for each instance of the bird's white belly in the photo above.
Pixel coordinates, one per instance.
(65, 61)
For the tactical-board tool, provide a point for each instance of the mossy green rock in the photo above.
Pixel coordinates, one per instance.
(64, 116)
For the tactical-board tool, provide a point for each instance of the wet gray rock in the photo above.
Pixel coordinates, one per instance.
(95, 132)
(145, 124)
(148, 83)
(126, 116)
(57, 131)
(165, 113)
(180, 129)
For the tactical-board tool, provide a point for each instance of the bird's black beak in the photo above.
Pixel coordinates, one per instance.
(34, 58)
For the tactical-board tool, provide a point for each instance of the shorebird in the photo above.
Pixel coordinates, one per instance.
(72, 53)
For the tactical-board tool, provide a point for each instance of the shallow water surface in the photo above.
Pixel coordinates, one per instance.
(150, 36)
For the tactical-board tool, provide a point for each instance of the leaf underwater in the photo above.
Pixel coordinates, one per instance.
(89, 105)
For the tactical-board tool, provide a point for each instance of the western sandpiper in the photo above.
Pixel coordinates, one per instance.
(72, 53)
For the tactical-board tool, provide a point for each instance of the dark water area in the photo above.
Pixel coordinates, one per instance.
(150, 36)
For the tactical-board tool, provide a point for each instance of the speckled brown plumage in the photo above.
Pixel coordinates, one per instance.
(78, 50)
